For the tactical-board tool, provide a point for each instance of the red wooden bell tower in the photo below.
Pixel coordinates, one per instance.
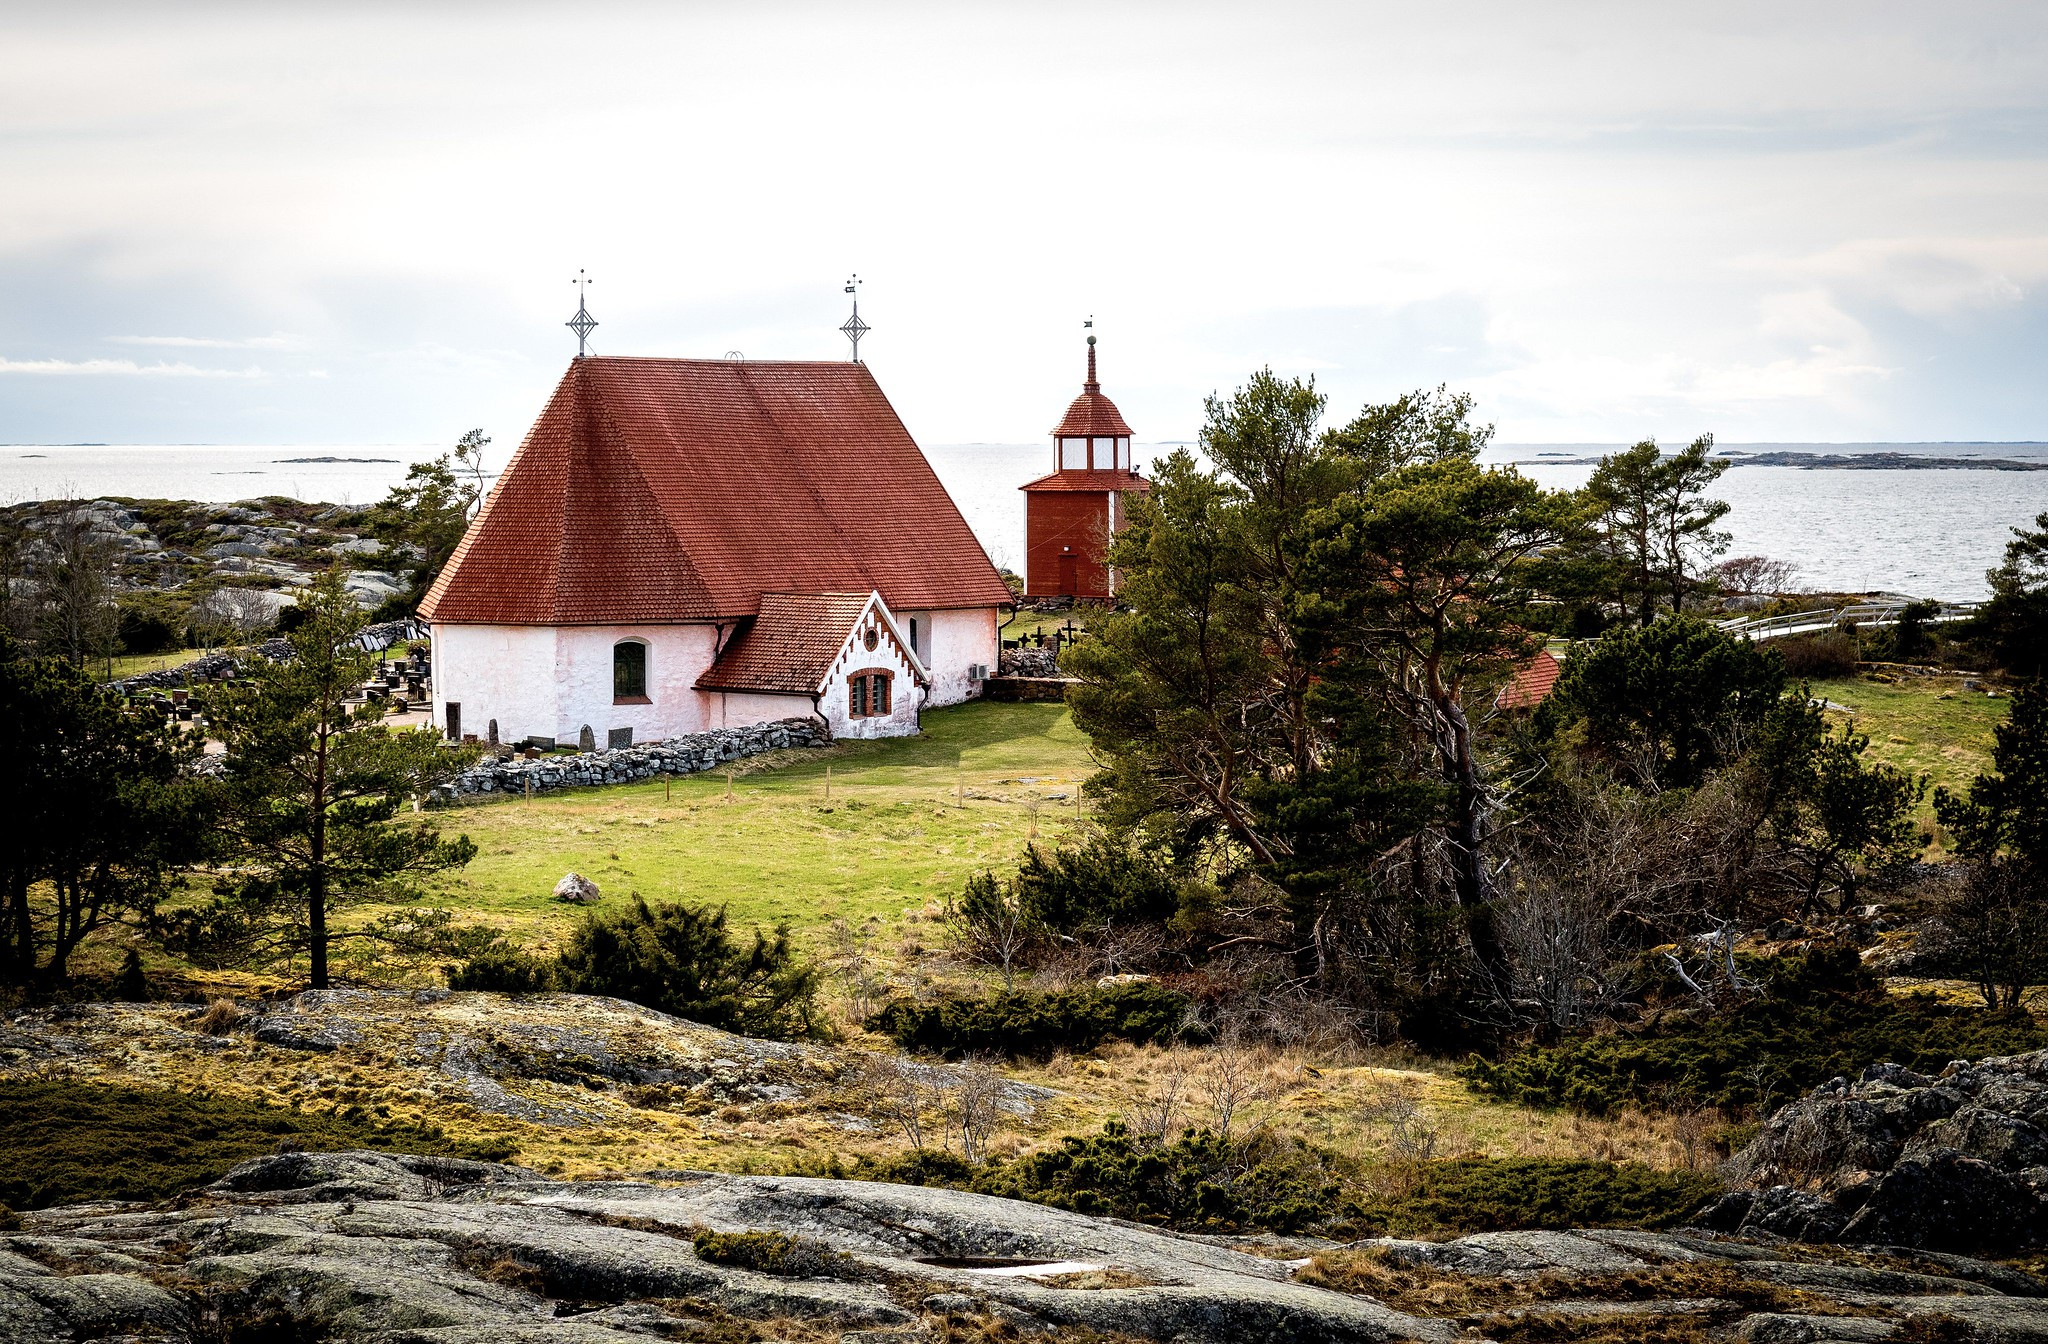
(1070, 515)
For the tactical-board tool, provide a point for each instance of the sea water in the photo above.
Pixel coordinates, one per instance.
(1929, 532)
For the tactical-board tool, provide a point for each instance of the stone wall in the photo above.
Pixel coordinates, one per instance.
(685, 755)
(1027, 688)
(1030, 663)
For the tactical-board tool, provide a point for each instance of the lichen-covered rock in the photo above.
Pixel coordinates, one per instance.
(576, 889)
(1957, 1162)
(350, 1246)
(538, 1070)
(395, 1249)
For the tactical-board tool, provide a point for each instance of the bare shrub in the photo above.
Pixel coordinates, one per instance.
(902, 1091)
(1413, 1136)
(973, 1106)
(855, 968)
(1694, 1128)
(1756, 576)
(234, 615)
(1155, 1117)
(1234, 1082)
(1121, 949)
(933, 1105)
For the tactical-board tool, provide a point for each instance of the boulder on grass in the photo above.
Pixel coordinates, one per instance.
(576, 889)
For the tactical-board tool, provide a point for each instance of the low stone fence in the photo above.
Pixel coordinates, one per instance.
(1027, 688)
(685, 755)
(1029, 663)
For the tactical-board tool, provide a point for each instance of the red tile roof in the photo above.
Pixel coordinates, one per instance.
(1079, 478)
(658, 490)
(789, 647)
(1532, 682)
(1092, 415)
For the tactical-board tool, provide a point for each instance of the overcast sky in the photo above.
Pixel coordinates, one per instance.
(357, 223)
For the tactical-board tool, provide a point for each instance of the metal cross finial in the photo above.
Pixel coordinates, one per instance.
(853, 327)
(583, 323)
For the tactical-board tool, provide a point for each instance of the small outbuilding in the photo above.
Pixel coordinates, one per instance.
(1070, 515)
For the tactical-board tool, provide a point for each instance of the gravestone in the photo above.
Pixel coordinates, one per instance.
(586, 740)
(619, 737)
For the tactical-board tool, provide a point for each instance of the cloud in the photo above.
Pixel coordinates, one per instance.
(1931, 277)
(121, 368)
(274, 341)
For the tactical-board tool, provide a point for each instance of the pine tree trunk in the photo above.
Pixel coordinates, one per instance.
(20, 938)
(316, 891)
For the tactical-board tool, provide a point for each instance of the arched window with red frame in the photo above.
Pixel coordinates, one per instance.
(870, 694)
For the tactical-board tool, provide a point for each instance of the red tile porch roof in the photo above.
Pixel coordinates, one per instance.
(789, 647)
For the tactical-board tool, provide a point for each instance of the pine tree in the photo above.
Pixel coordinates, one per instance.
(312, 784)
(1998, 921)
(101, 814)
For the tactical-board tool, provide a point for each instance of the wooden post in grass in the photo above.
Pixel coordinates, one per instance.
(667, 786)
(728, 783)
(828, 783)
(959, 791)
(529, 790)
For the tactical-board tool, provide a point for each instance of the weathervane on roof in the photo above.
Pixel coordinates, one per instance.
(583, 323)
(853, 326)
(1089, 326)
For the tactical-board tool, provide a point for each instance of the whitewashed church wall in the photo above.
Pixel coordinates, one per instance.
(740, 709)
(676, 656)
(502, 672)
(960, 640)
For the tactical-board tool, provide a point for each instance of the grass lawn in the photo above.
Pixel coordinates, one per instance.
(895, 836)
(135, 664)
(1924, 725)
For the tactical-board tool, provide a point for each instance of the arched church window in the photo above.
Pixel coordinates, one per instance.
(629, 672)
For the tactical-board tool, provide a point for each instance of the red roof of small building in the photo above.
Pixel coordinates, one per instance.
(661, 490)
(1092, 415)
(789, 647)
(1079, 478)
(1532, 683)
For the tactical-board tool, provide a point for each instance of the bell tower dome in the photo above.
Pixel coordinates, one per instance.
(1092, 436)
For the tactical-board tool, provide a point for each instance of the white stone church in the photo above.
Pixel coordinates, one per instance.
(690, 544)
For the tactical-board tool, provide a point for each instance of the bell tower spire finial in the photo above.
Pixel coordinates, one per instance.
(1091, 385)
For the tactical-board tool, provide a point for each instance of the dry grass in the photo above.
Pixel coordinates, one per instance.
(1424, 1291)
(1372, 1110)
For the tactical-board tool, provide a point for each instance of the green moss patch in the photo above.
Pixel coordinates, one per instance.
(63, 1142)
